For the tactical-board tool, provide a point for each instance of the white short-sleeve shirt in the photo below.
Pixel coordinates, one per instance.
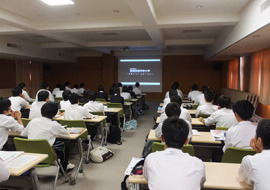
(137, 91)
(192, 95)
(93, 106)
(35, 110)
(125, 95)
(76, 112)
(200, 99)
(255, 170)
(51, 98)
(64, 104)
(26, 95)
(207, 108)
(172, 169)
(17, 103)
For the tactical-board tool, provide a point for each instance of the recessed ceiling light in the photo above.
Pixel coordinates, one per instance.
(116, 11)
(58, 2)
(199, 6)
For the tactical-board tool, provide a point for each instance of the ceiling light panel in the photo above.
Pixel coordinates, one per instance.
(58, 2)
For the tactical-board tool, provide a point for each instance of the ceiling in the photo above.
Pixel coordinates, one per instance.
(154, 27)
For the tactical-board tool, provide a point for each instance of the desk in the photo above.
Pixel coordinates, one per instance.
(128, 106)
(19, 171)
(192, 112)
(194, 121)
(113, 111)
(161, 104)
(218, 176)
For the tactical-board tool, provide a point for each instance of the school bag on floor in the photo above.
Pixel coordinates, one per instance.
(132, 124)
(115, 134)
(100, 154)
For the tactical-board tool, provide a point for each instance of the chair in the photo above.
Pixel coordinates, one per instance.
(100, 100)
(61, 110)
(41, 146)
(235, 155)
(104, 130)
(121, 113)
(85, 136)
(25, 121)
(203, 115)
(58, 99)
(195, 106)
(222, 128)
(186, 148)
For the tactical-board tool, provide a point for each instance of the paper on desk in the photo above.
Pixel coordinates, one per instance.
(219, 135)
(21, 161)
(196, 132)
(132, 163)
(7, 156)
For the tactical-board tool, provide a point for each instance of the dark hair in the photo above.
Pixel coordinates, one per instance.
(16, 91)
(5, 103)
(130, 88)
(176, 85)
(49, 110)
(177, 99)
(244, 109)
(209, 95)
(92, 95)
(76, 86)
(66, 94)
(173, 109)
(137, 84)
(119, 84)
(175, 132)
(117, 91)
(43, 95)
(125, 89)
(224, 101)
(44, 85)
(263, 131)
(73, 98)
(58, 85)
(81, 84)
(86, 94)
(62, 87)
(194, 87)
(101, 88)
(173, 92)
(67, 83)
(114, 85)
(21, 85)
(204, 88)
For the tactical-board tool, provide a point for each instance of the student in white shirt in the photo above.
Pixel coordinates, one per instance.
(56, 89)
(208, 108)
(255, 170)
(45, 128)
(67, 84)
(120, 86)
(8, 123)
(17, 99)
(81, 89)
(35, 110)
(25, 93)
(93, 105)
(136, 90)
(4, 174)
(172, 110)
(175, 87)
(65, 103)
(224, 117)
(200, 98)
(45, 86)
(184, 112)
(74, 111)
(75, 89)
(125, 94)
(59, 93)
(192, 95)
(172, 92)
(172, 169)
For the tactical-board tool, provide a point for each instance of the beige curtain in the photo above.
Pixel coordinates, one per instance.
(233, 77)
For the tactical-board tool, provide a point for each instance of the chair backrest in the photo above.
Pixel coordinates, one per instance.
(25, 121)
(157, 146)
(235, 155)
(195, 106)
(222, 128)
(61, 110)
(75, 123)
(40, 146)
(58, 99)
(101, 99)
(204, 115)
(117, 105)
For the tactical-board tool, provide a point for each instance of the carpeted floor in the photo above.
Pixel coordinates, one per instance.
(109, 174)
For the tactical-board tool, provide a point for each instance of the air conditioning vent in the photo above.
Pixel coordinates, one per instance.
(110, 34)
(13, 46)
(265, 5)
(192, 31)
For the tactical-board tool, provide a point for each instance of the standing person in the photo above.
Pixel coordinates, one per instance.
(17, 99)
(25, 93)
(172, 169)
(255, 170)
(45, 86)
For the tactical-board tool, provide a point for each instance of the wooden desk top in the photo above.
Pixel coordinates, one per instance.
(195, 121)
(128, 103)
(192, 112)
(218, 176)
(134, 100)
(20, 171)
(112, 110)
(205, 137)
(94, 120)
(161, 104)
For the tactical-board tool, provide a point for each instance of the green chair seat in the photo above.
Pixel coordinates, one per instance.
(204, 115)
(222, 128)
(25, 121)
(235, 155)
(157, 146)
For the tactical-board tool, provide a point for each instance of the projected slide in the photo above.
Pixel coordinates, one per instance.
(148, 72)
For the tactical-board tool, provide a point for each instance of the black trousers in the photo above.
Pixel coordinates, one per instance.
(62, 152)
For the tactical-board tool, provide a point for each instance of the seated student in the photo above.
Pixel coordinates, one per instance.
(200, 98)
(35, 110)
(208, 107)
(175, 87)
(111, 91)
(255, 170)
(85, 97)
(125, 94)
(65, 102)
(172, 169)
(240, 135)
(75, 89)
(56, 89)
(74, 111)
(81, 89)
(45, 86)
(24, 92)
(93, 105)
(192, 95)
(117, 98)
(120, 86)
(136, 90)
(4, 174)
(59, 93)
(101, 93)
(172, 110)
(67, 84)
(224, 116)
(184, 112)
(44, 128)
(172, 92)
(17, 99)
(130, 90)
(8, 123)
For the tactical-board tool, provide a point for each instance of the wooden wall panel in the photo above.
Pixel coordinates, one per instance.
(7, 74)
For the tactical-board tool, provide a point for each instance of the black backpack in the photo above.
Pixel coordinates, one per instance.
(114, 135)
